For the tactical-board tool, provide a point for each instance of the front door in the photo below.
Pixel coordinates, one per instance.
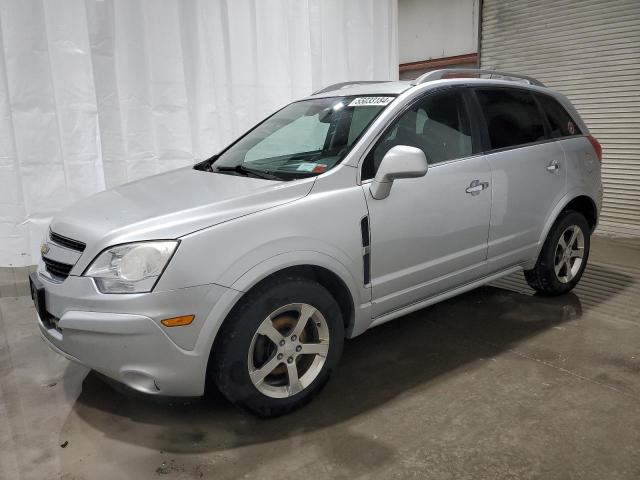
(430, 234)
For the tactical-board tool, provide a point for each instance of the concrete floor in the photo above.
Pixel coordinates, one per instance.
(493, 384)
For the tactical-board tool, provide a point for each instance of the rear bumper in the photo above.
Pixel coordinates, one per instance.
(121, 336)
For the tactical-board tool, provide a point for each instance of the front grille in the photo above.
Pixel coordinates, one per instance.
(67, 242)
(57, 269)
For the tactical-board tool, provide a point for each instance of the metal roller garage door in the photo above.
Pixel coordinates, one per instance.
(590, 51)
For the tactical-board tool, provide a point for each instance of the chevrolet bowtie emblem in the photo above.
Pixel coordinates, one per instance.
(44, 249)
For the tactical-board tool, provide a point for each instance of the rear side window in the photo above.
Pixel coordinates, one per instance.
(512, 117)
(561, 123)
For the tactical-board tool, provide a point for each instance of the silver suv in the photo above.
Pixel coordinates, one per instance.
(352, 207)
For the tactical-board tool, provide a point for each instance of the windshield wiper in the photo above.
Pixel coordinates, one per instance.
(241, 169)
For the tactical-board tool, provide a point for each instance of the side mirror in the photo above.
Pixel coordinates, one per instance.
(401, 161)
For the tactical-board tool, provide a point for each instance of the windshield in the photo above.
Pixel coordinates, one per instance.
(303, 139)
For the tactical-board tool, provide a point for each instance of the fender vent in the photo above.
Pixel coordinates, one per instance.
(366, 247)
(364, 229)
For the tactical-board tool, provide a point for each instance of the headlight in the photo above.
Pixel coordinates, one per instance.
(131, 268)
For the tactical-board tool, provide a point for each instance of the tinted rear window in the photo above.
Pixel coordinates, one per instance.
(561, 123)
(512, 117)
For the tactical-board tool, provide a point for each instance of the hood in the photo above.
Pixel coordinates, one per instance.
(171, 205)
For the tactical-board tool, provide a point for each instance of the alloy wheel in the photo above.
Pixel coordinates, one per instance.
(288, 350)
(569, 254)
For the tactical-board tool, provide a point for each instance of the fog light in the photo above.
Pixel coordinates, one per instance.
(178, 321)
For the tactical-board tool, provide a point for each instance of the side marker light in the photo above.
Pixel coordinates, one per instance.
(178, 321)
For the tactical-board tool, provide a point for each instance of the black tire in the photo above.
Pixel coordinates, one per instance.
(230, 365)
(542, 277)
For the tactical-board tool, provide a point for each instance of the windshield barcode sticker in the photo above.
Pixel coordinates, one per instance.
(371, 101)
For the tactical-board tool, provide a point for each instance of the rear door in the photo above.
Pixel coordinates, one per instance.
(528, 173)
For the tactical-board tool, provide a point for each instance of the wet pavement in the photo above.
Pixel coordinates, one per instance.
(496, 383)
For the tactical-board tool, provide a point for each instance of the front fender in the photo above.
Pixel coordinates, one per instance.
(316, 230)
(360, 295)
(284, 260)
(269, 266)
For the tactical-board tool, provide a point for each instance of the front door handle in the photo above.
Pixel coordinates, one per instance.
(476, 187)
(553, 167)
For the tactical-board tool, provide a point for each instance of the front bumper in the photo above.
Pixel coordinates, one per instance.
(120, 335)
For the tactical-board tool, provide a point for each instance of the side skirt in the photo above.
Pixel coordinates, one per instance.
(442, 296)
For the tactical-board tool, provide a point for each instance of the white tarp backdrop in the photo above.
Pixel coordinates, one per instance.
(97, 93)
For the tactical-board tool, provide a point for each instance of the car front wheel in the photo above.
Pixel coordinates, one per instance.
(279, 346)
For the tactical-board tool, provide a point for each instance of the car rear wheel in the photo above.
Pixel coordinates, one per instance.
(563, 257)
(279, 346)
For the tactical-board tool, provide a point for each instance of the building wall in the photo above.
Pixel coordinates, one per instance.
(429, 29)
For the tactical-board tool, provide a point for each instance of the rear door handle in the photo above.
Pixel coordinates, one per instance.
(476, 187)
(553, 166)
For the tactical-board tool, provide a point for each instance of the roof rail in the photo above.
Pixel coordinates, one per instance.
(471, 73)
(338, 86)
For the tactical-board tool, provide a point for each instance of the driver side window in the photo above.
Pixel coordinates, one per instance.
(438, 124)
